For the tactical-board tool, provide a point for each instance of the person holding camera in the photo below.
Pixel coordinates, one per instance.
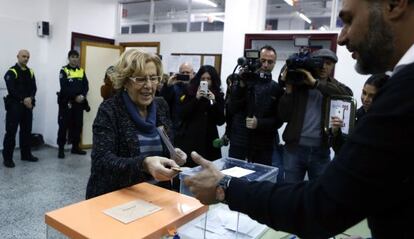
(303, 107)
(252, 111)
(19, 103)
(72, 102)
(174, 90)
(202, 111)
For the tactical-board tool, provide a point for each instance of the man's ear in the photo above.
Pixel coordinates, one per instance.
(396, 8)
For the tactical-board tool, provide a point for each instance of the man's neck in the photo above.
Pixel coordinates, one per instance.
(23, 67)
(73, 66)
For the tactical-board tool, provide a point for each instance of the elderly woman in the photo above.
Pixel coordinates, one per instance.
(127, 148)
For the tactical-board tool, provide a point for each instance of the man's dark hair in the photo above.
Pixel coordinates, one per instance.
(377, 80)
(268, 48)
(73, 53)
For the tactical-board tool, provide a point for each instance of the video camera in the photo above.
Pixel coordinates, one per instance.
(301, 60)
(250, 65)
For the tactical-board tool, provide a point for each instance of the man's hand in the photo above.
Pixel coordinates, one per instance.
(28, 102)
(336, 124)
(251, 123)
(203, 185)
(160, 168)
(80, 98)
(309, 80)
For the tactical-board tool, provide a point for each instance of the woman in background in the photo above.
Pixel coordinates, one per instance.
(371, 87)
(127, 148)
(202, 112)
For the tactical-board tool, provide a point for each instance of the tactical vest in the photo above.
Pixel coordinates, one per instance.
(15, 72)
(74, 74)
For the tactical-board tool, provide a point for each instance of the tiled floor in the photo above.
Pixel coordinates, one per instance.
(30, 190)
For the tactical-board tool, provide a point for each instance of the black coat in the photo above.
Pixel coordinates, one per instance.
(116, 159)
(199, 127)
(372, 177)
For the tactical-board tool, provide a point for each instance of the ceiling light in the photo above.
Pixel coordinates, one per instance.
(305, 18)
(207, 2)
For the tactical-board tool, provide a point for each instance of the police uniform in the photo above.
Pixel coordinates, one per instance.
(21, 83)
(73, 82)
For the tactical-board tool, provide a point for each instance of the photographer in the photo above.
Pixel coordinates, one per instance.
(72, 102)
(174, 90)
(252, 112)
(302, 107)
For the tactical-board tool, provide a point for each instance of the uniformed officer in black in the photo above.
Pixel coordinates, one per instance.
(19, 103)
(72, 102)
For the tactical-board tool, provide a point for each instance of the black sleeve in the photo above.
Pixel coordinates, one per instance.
(285, 107)
(65, 91)
(216, 111)
(34, 87)
(371, 175)
(85, 85)
(11, 85)
(238, 101)
(272, 121)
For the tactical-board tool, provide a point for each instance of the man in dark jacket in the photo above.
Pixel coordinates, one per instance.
(19, 103)
(372, 177)
(303, 108)
(252, 113)
(173, 92)
(72, 102)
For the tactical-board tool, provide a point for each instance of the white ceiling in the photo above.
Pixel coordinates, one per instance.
(138, 10)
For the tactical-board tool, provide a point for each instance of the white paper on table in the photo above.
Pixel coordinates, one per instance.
(237, 172)
(246, 224)
(132, 211)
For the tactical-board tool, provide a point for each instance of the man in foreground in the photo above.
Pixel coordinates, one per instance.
(372, 176)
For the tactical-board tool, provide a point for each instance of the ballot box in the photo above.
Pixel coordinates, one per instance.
(220, 221)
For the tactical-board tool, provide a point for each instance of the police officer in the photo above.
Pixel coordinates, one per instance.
(72, 102)
(21, 87)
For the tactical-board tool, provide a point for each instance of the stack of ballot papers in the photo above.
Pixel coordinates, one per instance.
(220, 222)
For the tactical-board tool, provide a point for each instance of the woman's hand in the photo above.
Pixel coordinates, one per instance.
(211, 96)
(200, 94)
(160, 168)
(180, 157)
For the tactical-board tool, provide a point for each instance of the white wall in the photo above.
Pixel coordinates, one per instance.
(92, 17)
(237, 25)
(18, 26)
(48, 54)
(185, 42)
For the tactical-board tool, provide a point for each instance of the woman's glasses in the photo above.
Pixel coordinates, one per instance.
(140, 80)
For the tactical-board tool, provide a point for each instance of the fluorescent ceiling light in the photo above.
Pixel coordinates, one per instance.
(290, 2)
(305, 18)
(207, 2)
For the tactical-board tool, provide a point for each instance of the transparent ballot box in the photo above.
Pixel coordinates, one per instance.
(219, 221)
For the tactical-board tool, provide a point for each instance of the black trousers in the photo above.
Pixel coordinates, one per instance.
(17, 115)
(70, 122)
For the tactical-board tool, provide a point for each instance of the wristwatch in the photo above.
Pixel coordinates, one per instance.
(221, 188)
